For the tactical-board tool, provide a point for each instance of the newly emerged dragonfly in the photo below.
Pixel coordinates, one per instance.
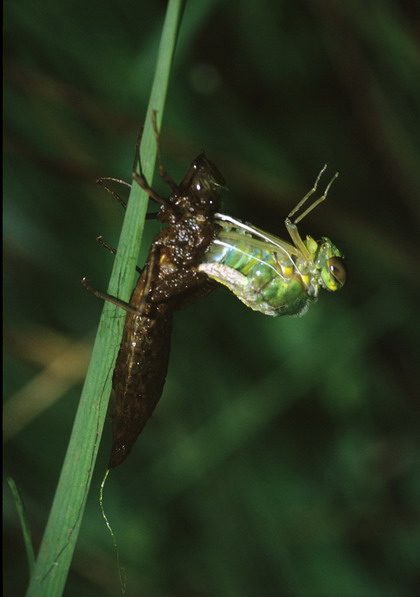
(271, 275)
(169, 281)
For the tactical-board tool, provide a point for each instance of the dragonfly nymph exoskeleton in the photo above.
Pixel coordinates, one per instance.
(269, 274)
(169, 281)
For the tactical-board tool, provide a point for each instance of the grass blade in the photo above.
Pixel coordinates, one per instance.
(57, 547)
(20, 507)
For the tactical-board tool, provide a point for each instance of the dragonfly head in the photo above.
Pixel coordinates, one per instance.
(330, 262)
(204, 183)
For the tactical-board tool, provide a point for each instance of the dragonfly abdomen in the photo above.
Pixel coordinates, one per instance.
(139, 376)
(264, 280)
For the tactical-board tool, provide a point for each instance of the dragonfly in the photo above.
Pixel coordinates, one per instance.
(169, 281)
(268, 274)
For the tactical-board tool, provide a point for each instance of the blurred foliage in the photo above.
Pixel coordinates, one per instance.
(283, 457)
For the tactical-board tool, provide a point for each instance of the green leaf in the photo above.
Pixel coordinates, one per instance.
(20, 507)
(57, 547)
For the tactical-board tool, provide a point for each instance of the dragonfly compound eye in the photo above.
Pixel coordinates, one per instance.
(337, 268)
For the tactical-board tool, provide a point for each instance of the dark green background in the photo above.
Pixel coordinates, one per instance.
(283, 458)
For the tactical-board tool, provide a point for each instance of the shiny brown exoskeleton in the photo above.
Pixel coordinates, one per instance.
(169, 281)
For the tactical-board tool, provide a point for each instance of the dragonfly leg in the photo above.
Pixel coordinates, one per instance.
(108, 298)
(100, 241)
(142, 182)
(163, 173)
(141, 179)
(309, 194)
(292, 225)
(101, 181)
(139, 176)
(292, 229)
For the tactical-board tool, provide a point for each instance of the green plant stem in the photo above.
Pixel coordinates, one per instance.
(23, 523)
(57, 546)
